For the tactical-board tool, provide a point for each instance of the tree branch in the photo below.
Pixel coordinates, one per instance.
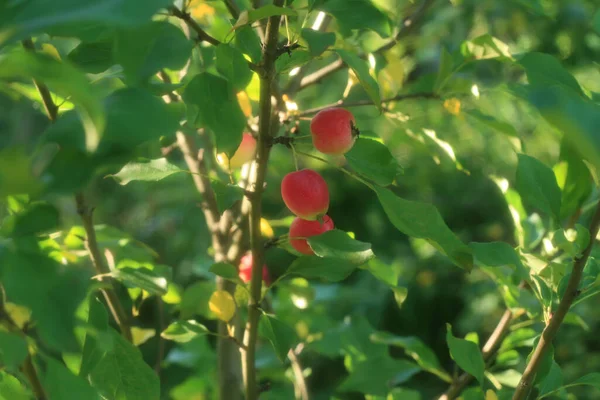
(28, 367)
(342, 103)
(408, 26)
(203, 36)
(553, 326)
(51, 108)
(259, 172)
(91, 245)
(299, 381)
(232, 8)
(110, 295)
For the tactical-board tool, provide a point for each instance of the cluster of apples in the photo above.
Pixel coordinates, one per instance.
(304, 192)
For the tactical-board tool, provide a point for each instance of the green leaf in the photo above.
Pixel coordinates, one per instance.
(36, 218)
(422, 220)
(596, 22)
(592, 379)
(133, 117)
(184, 331)
(233, 66)
(373, 160)
(66, 81)
(330, 269)
(249, 17)
(195, 299)
(226, 194)
(357, 14)
(545, 70)
(147, 49)
(13, 350)
(12, 389)
(93, 57)
(416, 349)
(52, 292)
(123, 374)
(286, 62)
(146, 170)
(361, 69)
(403, 394)
(20, 19)
(16, 173)
(574, 179)
(572, 114)
(97, 342)
(498, 254)
(377, 375)
(214, 105)
(226, 271)
(553, 381)
(317, 41)
(282, 336)
(536, 183)
(61, 384)
(248, 42)
(494, 123)
(337, 244)
(445, 71)
(466, 354)
(142, 278)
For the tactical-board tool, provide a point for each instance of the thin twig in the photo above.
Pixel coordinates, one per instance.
(28, 367)
(342, 103)
(553, 326)
(203, 36)
(91, 244)
(160, 348)
(110, 295)
(262, 155)
(49, 105)
(489, 349)
(299, 380)
(31, 374)
(408, 26)
(232, 8)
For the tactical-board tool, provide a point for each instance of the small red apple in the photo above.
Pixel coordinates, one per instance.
(305, 193)
(333, 131)
(244, 153)
(305, 229)
(245, 270)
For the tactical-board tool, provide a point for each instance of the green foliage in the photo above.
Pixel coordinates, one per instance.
(281, 336)
(373, 160)
(466, 354)
(211, 103)
(13, 350)
(184, 331)
(123, 374)
(146, 170)
(423, 221)
(493, 117)
(317, 41)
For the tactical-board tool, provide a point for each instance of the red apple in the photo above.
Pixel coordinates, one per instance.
(245, 270)
(333, 131)
(305, 193)
(244, 153)
(301, 228)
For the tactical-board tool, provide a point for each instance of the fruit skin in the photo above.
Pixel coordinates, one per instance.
(305, 193)
(245, 270)
(303, 228)
(244, 153)
(333, 131)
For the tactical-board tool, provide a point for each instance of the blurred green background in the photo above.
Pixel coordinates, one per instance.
(454, 173)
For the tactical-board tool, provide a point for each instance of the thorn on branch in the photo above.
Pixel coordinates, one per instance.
(284, 140)
(286, 49)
